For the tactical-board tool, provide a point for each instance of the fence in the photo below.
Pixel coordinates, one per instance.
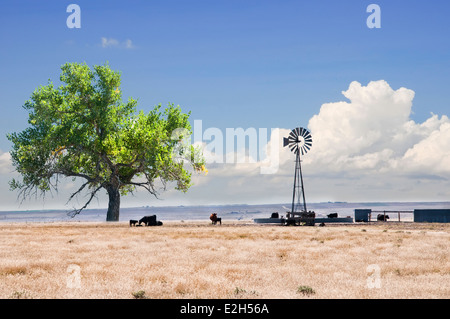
(387, 212)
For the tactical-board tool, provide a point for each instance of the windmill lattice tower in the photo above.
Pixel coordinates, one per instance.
(299, 141)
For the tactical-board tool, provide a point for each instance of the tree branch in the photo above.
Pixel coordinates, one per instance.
(75, 212)
(77, 192)
(147, 185)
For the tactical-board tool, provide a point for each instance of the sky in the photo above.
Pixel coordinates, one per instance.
(376, 100)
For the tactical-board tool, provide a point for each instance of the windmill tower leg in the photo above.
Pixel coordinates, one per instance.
(298, 190)
(301, 179)
(294, 191)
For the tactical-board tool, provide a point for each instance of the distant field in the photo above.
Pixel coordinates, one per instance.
(235, 260)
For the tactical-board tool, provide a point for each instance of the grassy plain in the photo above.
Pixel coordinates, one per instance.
(234, 260)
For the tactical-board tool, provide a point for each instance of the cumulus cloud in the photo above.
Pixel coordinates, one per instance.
(431, 154)
(5, 163)
(373, 133)
(366, 124)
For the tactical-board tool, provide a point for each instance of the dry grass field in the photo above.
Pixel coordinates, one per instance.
(235, 260)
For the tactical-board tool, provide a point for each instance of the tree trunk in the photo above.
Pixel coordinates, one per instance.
(114, 204)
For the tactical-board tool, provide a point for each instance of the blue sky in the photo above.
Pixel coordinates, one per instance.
(232, 63)
(269, 64)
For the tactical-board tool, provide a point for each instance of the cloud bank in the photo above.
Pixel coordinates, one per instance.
(372, 133)
(365, 148)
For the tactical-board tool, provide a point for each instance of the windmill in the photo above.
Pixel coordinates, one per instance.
(299, 142)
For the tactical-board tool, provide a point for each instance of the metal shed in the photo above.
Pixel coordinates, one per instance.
(362, 215)
(432, 215)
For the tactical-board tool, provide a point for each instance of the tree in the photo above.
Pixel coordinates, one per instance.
(83, 130)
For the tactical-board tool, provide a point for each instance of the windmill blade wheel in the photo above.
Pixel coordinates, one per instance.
(298, 141)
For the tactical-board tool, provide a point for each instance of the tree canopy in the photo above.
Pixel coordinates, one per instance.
(83, 130)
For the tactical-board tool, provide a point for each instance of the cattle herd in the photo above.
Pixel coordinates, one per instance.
(146, 220)
(151, 221)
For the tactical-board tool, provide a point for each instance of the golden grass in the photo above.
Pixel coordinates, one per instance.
(235, 260)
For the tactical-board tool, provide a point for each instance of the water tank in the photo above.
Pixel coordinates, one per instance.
(362, 215)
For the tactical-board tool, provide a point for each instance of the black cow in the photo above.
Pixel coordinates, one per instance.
(382, 217)
(133, 222)
(332, 215)
(150, 221)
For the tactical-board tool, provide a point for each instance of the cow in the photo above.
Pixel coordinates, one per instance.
(382, 217)
(133, 222)
(150, 221)
(215, 219)
(332, 215)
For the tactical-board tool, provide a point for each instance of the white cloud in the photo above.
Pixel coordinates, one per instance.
(5, 163)
(373, 133)
(430, 155)
(109, 42)
(114, 43)
(366, 124)
(129, 44)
